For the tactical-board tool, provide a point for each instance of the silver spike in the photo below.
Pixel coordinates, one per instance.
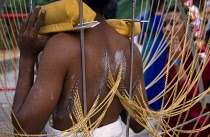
(136, 20)
(131, 59)
(82, 44)
(86, 25)
(144, 21)
(31, 5)
(81, 27)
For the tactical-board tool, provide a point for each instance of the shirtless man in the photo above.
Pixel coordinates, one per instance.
(60, 69)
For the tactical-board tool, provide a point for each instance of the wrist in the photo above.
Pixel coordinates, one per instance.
(28, 56)
(28, 59)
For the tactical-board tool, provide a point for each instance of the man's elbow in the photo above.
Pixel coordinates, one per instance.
(18, 127)
(22, 126)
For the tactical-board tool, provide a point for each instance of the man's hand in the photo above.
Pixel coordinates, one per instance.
(30, 42)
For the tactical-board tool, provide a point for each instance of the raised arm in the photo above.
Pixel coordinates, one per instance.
(34, 102)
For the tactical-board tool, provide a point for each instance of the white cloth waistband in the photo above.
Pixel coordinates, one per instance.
(114, 129)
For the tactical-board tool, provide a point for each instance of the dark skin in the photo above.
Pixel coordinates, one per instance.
(60, 69)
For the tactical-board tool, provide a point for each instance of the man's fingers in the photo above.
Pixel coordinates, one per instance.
(33, 18)
(39, 22)
(43, 40)
(24, 24)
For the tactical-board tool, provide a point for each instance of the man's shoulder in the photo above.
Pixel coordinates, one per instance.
(62, 45)
(64, 41)
(65, 37)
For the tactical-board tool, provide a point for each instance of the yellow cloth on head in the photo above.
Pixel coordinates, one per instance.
(124, 27)
(63, 15)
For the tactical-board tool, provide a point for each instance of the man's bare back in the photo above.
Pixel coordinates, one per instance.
(103, 47)
(59, 75)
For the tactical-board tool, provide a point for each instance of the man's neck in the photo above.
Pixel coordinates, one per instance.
(100, 18)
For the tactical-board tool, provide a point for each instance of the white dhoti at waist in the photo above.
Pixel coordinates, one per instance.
(114, 129)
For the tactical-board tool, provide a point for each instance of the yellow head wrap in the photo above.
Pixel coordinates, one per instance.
(63, 15)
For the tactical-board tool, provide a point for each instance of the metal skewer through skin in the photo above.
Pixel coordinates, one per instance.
(84, 92)
(81, 27)
(131, 65)
(186, 123)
